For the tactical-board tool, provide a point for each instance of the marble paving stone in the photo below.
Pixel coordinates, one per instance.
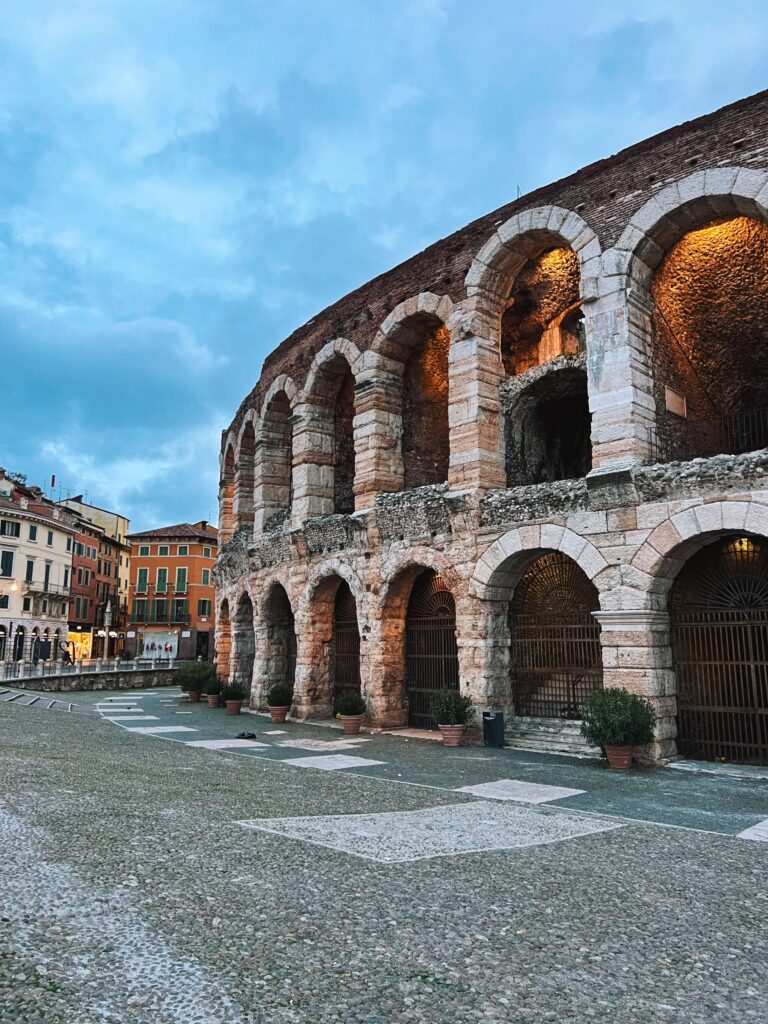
(331, 763)
(182, 712)
(398, 836)
(132, 718)
(150, 730)
(522, 792)
(758, 833)
(322, 745)
(224, 744)
(274, 732)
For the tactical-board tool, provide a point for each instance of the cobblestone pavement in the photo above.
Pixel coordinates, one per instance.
(146, 882)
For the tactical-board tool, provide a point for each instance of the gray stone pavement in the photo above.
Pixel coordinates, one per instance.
(151, 881)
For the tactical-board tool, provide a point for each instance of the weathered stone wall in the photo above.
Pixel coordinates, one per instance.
(125, 679)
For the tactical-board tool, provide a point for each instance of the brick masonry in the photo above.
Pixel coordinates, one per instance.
(627, 524)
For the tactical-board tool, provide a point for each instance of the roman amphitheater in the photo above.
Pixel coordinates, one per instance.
(527, 463)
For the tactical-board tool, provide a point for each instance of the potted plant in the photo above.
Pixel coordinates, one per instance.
(279, 699)
(213, 692)
(453, 711)
(616, 721)
(233, 695)
(195, 678)
(349, 706)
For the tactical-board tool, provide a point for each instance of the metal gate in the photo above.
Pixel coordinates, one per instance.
(431, 654)
(345, 646)
(555, 657)
(719, 637)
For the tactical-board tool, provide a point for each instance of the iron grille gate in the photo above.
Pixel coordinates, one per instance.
(556, 662)
(345, 647)
(431, 653)
(721, 660)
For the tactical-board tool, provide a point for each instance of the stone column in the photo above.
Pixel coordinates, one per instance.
(312, 461)
(619, 333)
(637, 657)
(378, 429)
(482, 636)
(384, 687)
(474, 413)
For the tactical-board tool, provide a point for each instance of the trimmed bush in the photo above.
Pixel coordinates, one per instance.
(349, 702)
(196, 676)
(617, 718)
(279, 696)
(213, 688)
(450, 707)
(233, 692)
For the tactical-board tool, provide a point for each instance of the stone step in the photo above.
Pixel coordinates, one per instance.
(547, 734)
(542, 745)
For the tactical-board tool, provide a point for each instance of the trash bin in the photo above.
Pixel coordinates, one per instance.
(493, 729)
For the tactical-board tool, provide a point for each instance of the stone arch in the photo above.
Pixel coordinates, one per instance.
(274, 464)
(223, 641)
(669, 546)
(324, 442)
(227, 490)
(518, 239)
(244, 472)
(243, 641)
(276, 654)
(314, 693)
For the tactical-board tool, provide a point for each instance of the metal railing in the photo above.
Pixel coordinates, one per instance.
(734, 434)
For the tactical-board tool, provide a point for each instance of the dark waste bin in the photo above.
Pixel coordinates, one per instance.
(493, 729)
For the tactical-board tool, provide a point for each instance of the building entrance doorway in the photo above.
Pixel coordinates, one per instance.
(719, 634)
(431, 654)
(345, 643)
(555, 658)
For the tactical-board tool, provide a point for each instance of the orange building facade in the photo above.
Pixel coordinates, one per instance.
(171, 597)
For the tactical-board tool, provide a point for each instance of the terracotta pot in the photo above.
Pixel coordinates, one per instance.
(194, 696)
(452, 734)
(619, 757)
(233, 706)
(213, 700)
(278, 714)
(351, 724)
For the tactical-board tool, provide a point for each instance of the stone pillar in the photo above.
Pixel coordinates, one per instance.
(312, 687)
(619, 336)
(378, 429)
(312, 461)
(474, 413)
(482, 637)
(384, 687)
(226, 511)
(637, 656)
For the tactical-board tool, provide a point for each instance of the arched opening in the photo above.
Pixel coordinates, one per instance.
(3, 642)
(276, 461)
(424, 442)
(555, 656)
(19, 640)
(243, 496)
(223, 642)
(710, 342)
(279, 663)
(244, 644)
(431, 652)
(548, 430)
(345, 643)
(227, 495)
(719, 634)
(547, 422)
(344, 440)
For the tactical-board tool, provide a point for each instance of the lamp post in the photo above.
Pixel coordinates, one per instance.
(107, 624)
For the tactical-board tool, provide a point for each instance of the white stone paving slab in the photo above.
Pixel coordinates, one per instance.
(150, 730)
(332, 762)
(275, 732)
(224, 744)
(132, 718)
(182, 712)
(522, 792)
(758, 833)
(399, 836)
(323, 745)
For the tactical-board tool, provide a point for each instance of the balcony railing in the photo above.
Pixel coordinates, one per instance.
(48, 589)
(681, 440)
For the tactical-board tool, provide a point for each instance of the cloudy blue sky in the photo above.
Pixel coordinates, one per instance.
(184, 182)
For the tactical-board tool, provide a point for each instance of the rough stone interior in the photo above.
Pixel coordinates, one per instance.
(425, 408)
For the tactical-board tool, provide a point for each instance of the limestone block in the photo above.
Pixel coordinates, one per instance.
(734, 514)
(709, 517)
(749, 182)
(757, 519)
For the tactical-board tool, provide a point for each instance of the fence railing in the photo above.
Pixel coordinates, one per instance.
(735, 434)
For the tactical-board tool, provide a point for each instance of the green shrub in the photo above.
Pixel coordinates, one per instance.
(279, 696)
(452, 708)
(233, 692)
(213, 687)
(617, 718)
(196, 676)
(349, 702)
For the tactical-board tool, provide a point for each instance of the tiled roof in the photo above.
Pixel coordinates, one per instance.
(180, 530)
